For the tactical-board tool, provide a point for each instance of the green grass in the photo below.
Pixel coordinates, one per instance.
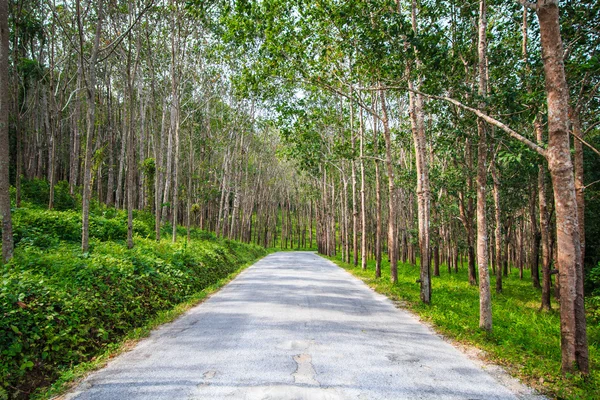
(525, 340)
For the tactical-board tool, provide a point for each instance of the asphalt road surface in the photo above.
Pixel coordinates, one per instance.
(295, 326)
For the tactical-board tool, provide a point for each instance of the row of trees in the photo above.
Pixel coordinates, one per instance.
(466, 111)
(131, 104)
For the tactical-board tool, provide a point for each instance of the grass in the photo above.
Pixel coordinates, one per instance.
(525, 340)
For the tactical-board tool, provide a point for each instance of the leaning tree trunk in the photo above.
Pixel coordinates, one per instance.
(572, 310)
(7, 237)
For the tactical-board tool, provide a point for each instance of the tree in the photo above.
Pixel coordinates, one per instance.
(89, 71)
(572, 310)
(7, 238)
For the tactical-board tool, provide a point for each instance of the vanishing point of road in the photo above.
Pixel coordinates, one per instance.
(296, 326)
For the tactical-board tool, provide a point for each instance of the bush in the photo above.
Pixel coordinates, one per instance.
(61, 307)
(593, 294)
(46, 228)
(37, 192)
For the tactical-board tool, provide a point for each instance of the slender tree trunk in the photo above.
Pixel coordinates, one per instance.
(535, 239)
(423, 191)
(363, 205)
(7, 235)
(90, 82)
(579, 184)
(76, 148)
(354, 197)
(130, 162)
(485, 301)
(51, 129)
(544, 225)
(17, 103)
(498, 228)
(392, 245)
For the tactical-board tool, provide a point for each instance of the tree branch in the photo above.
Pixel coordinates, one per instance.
(492, 121)
(595, 150)
(113, 45)
(591, 127)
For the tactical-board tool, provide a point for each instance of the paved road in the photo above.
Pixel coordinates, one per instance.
(294, 326)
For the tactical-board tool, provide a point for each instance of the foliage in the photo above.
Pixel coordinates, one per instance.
(46, 228)
(525, 340)
(593, 295)
(61, 307)
(37, 193)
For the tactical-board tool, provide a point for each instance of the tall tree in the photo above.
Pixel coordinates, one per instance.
(572, 309)
(485, 300)
(7, 236)
(88, 66)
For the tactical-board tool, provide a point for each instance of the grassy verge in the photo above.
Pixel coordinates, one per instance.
(524, 340)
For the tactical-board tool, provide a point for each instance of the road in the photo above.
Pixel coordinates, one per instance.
(296, 326)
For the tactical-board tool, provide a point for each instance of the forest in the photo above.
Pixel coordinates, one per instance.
(447, 152)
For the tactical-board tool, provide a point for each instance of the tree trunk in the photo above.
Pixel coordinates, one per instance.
(90, 84)
(363, 206)
(7, 235)
(378, 228)
(498, 228)
(485, 301)
(392, 245)
(423, 191)
(535, 239)
(579, 184)
(572, 310)
(544, 225)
